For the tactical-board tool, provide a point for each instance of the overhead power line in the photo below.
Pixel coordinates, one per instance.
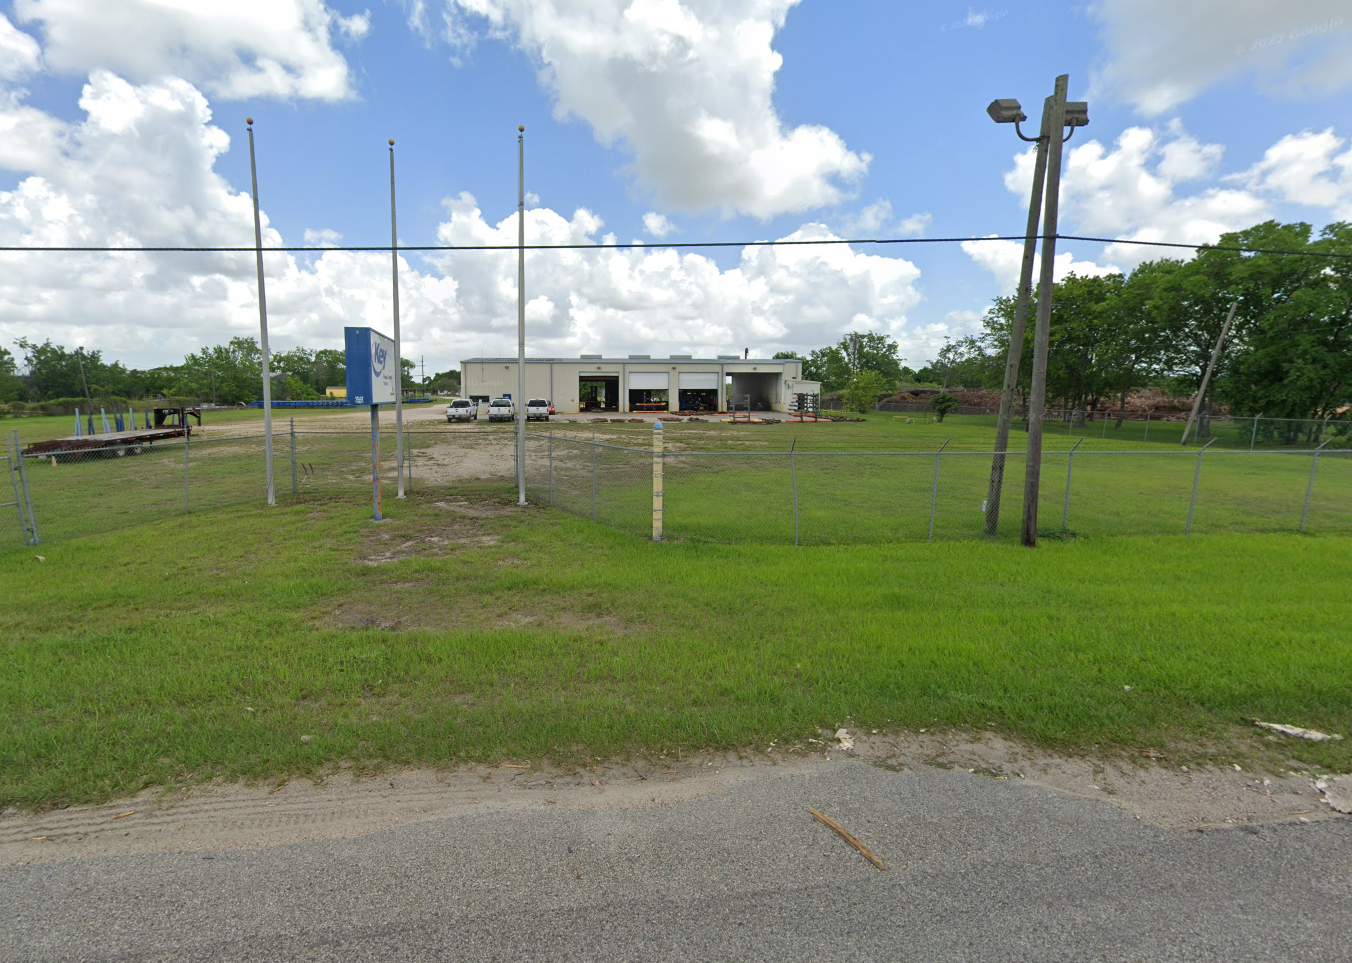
(660, 245)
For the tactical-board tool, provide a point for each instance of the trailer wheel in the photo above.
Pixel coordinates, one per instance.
(134, 450)
(119, 451)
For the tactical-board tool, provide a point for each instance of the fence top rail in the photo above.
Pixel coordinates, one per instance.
(1083, 452)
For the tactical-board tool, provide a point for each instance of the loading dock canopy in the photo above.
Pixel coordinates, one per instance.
(648, 381)
(698, 381)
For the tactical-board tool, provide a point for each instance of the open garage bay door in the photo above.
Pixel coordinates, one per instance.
(648, 380)
(699, 381)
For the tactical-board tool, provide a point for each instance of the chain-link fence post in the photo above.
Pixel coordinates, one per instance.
(1147, 425)
(593, 474)
(1070, 469)
(1196, 477)
(934, 492)
(185, 464)
(31, 529)
(1309, 488)
(793, 476)
(1253, 435)
(657, 481)
(13, 469)
(551, 466)
(293, 456)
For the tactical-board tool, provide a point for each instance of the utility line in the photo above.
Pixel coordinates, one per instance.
(638, 245)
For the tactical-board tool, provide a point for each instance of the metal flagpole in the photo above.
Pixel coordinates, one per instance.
(398, 347)
(262, 322)
(521, 315)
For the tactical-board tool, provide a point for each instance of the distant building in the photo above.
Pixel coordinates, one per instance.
(336, 391)
(642, 383)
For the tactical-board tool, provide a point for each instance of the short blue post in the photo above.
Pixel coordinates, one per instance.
(91, 422)
(104, 415)
(375, 457)
(78, 432)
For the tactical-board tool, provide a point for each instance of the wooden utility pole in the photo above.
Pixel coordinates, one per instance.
(1206, 378)
(1016, 330)
(1046, 287)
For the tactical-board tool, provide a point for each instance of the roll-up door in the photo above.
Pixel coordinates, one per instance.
(648, 380)
(698, 381)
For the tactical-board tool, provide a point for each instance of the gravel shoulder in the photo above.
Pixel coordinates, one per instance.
(226, 816)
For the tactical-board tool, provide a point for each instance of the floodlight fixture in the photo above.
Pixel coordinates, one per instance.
(1077, 113)
(1006, 111)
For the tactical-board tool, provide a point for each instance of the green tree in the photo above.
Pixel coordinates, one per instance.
(1293, 358)
(54, 372)
(445, 382)
(330, 369)
(227, 374)
(870, 351)
(864, 390)
(11, 385)
(828, 366)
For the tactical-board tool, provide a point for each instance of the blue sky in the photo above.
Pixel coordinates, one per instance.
(698, 121)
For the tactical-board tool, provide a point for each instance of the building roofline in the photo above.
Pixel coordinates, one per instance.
(674, 361)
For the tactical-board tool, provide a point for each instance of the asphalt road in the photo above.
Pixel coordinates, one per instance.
(977, 869)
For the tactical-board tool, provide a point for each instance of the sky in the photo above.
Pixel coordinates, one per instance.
(122, 123)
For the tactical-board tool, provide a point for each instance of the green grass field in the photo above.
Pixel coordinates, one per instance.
(209, 644)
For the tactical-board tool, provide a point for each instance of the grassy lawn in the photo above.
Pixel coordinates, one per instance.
(209, 644)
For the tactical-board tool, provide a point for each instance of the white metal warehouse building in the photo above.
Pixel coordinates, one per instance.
(639, 383)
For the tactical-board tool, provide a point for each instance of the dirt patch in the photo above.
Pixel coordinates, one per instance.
(479, 509)
(383, 546)
(224, 816)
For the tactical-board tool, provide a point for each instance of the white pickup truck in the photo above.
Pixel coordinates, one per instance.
(462, 409)
(537, 409)
(500, 409)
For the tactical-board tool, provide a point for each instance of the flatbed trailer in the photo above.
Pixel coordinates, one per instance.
(170, 423)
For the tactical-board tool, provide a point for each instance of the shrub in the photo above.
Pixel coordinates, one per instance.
(943, 404)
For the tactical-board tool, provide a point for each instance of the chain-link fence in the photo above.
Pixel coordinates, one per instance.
(807, 497)
(1247, 433)
(744, 494)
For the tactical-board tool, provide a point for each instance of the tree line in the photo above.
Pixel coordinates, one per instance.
(225, 374)
(1288, 353)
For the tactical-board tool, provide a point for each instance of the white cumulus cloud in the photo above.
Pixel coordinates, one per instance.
(1003, 258)
(1162, 53)
(20, 54)
(1307, 169)
(657, 224)
(139, 169)
(687, 90)
(231, 48)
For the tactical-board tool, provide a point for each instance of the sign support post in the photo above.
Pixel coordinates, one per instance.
(375, 459)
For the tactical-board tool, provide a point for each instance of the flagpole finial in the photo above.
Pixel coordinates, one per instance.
(249, 121)
(521, 128)
(391, 141)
